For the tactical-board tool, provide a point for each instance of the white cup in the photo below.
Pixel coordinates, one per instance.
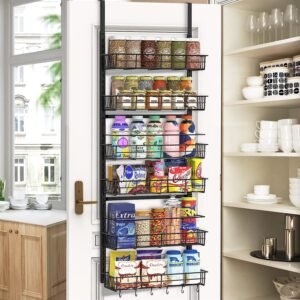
(287, 122)
(41, 198)
(261, 190)
(285, 132)
(294, 180)
(266, 124)
(286, 146)
(296, 132)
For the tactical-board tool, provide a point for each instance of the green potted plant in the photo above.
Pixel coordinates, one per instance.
(2, 190)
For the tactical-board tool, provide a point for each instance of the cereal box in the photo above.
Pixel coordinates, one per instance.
(123, 255)
(153, 272)
(179, 179)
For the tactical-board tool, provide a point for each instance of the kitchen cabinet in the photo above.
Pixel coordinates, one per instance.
(33, 261)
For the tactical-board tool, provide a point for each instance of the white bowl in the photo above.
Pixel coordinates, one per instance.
(254, 81)
(41, 198)
(253, 92)
(18, 202)
(294, 180)
(295, 200)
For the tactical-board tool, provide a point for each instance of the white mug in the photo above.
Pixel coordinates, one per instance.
(266, 124)
(296, 132)
(285, 132)
(287, 122)
(261, 190)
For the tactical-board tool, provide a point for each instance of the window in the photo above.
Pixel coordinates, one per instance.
(19, 23)
(19, 170)
(19, 75)
(49, 170)
(20, 120)
(49, 120)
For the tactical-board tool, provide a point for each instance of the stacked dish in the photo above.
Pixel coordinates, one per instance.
(262, 195)
(4, 205)
(295, 191)
(267, 135)
(19, 203)
(249, 147)
(41, 202)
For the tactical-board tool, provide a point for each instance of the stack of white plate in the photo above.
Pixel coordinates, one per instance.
(19, 204)
(295, 191)
(260, 199)
(249, 147)
(4, 205)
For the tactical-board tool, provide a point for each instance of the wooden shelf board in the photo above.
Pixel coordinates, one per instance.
(281, 102)
(278, 49)
(259, 154)
(244, 255)
(283, 208)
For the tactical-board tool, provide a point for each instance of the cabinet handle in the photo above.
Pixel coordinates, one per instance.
(16, 232)
(10, 231)
(79, 203)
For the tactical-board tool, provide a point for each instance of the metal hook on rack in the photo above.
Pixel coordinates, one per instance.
(197, 289)
(135, 293)
(167, 290)
(120, 293)
(151, 292)
(182, 290)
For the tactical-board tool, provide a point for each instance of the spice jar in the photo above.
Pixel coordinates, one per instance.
(193, 54)
(124, 99)
(152, 100)
(117, 52)
(145, 83)
(117, 84)
(139, 99)
(178, 99)
(186, 83)
(131, 83)
(173, 83)
(148, 49)
(191, 100)
(159, 83)
(133, 53)
(157, 226)
(166, 99)
(164, 54)
(178, 54)
(142, 227)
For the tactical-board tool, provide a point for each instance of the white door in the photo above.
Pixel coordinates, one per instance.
(83, 230)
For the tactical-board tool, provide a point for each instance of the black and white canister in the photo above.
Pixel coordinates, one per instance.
(296, 62)
(275, 82)
(293, 85)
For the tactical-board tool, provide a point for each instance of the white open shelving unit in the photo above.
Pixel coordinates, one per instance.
(245, 224)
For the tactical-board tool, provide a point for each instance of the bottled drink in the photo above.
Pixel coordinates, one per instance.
(187, 137)
(137, 140)
(154, 137)
(171, 137)
(120, 134)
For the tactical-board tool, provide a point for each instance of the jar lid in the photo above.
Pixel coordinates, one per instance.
(118, 77)
(165, 91)
(154, 118)
(173, 78)
(178, 92)
(173, 252)
(142, 213)
(189, 198)
(120, 118)
(159, 78)
(190, 251)
(126, 91)
(132, 78)
(139, 91)
(171, 117)
(193, 40)
(186, 78)
(146, 78)
(137, 118)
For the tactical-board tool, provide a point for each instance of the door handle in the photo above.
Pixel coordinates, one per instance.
(79, 202)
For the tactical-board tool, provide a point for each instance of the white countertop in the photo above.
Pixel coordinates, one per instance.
(45, 218)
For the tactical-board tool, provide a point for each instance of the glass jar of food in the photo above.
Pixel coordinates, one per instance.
(133, 53)
(164, 54)
(143, 224)
(117, 52)
(191, 100)
(117, 84)
(148, 50)
(158, 226)
(139, 101)
(178, 54)
(152, 100)
(159, 83)
(145, 83)
(193, 54)
(124, 99)
(166, 99)
(131, 83)
(173, 83)
(186, 83)
(178, 100)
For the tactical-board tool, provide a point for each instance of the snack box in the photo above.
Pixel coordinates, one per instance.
(179, 179)
(158, 184)
(115, 256)
(121, 225)
(131, 179)
(126, 275)
(153, 272)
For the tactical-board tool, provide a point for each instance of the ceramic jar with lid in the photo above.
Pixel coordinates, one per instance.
(159, 83)
(145, 83)
(173, 83)
(133, 52)
(186, 83)
(117, 52)
(193, 54)
(178, 54)
(164, 54)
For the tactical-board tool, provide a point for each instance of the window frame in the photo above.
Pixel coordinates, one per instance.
(49, 165)
(18, 165)
(16, 60)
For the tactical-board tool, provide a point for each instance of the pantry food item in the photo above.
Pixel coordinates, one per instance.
(187, 137)
(158, 184)
(154, 272)
(145, 83)
(171, 137)
(164, 54)
(127, 275)
(174, 267)
(186, 83)
(193, 54)
(178, 162)
(139, 99)
(178, 100)
(142, 227)
(152, 100)
(117, 52)
(121, 225)
(191, 100)
(133, 53)
(154, 138)
(165, 99)
(158, 226)
(158, 168)
(131, 83)
(178, 54)
(188, 222)
(173, 83)
(148, 49)
(120, 137)
(148, 254)
(160, 83)
(138, 138)
(197, 181)
(117, 84)
(179, 179)
(124, 99)
(119, 255)
(130, 179)
(191, 260)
